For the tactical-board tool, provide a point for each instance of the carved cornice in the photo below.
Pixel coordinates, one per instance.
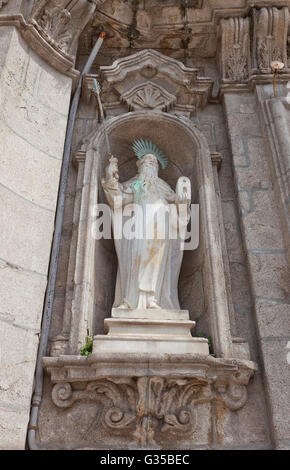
(136, 80)
(142, 393)
(168, 25)
(251, 84)
(53, 30)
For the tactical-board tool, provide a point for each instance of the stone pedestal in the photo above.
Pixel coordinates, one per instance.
(149, 331)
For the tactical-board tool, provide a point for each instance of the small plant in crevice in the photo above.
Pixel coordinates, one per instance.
(87, 348)
(204, 335)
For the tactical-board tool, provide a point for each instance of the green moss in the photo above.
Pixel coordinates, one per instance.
(87, 348)
(204, 335)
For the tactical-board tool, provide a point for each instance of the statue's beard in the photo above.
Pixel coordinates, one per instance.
(148, 174)
(150, 177)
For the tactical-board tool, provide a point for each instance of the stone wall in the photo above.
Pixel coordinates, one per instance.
(242, 123)
(218, 428)
(34, 105)
(266, 253)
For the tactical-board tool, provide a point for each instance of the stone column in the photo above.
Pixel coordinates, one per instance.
(275, 117)
(266, 254)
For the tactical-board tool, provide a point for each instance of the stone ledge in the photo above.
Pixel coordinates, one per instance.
(161, 314)
(139, 364)
(78, 368)
(249, 86)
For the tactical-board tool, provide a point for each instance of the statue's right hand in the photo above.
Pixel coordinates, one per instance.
(112, 170)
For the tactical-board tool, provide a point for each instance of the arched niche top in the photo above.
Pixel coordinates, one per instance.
(183, 144)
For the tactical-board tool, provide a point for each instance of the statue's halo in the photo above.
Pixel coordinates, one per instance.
(144, 147)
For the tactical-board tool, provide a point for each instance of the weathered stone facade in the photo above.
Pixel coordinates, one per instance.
(196, 78)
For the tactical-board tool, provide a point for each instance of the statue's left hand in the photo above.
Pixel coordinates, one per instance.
(183, 191)
(182, 199)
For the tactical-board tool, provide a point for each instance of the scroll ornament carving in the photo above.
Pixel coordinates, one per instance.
(265, 54)
(235, 48)
(270, 27)
(147, 403)
(233, 392)
(150, 406)
(60, 22)
(55, 23)
(237, 64)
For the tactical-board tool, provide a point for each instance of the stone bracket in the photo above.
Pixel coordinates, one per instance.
(142, 392)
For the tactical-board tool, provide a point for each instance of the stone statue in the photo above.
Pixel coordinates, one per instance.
(149, 263)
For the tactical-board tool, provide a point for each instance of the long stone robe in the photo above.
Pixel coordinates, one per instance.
(145, 264)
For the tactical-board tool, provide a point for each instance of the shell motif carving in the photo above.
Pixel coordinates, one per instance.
(148, 96)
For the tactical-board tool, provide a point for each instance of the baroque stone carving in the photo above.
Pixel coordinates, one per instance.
(145, 402)
(3, 2)
(144, 405)
(237, 64)
(182, 89)
(55, 22)
(235, 49)
(148, 96)
(270, 26)
(60, 22)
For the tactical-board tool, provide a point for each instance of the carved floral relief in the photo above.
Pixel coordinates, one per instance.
(147, 407)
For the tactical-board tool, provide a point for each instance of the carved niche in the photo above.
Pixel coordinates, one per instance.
(149, 80)
(235, 49)
(60, 22)
(270, 37)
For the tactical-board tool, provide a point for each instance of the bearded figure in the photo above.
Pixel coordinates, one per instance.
(149, 259)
